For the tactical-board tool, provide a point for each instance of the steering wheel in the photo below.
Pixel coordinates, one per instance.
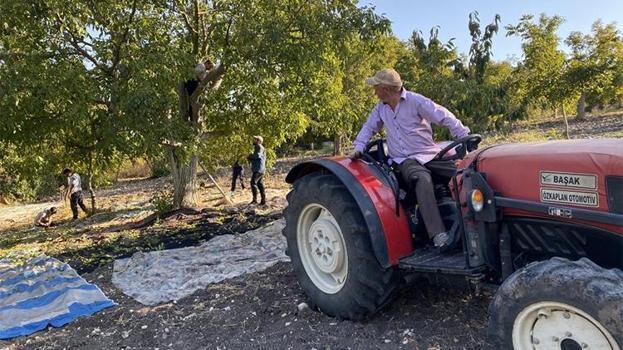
(380, 153)
(463, 145)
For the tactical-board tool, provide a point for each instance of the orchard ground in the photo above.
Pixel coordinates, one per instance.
(258, 311)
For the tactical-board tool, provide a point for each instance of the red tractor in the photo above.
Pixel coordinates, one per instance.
(544, 221)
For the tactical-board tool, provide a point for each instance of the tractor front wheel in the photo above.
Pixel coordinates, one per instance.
(331, 251)
(559, 304)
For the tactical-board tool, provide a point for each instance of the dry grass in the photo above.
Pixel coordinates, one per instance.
(126, 202)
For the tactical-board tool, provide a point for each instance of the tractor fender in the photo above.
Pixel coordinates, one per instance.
(389, 233)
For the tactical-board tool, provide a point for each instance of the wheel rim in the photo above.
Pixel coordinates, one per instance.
(322, 249)
(552, 325)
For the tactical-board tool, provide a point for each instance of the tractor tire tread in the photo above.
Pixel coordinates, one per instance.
(373, 286)
(580, 283)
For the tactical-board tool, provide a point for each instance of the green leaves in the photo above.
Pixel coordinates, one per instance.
(537, 78)
(594, 67)
(472, 87)
(97, 81)
(85, 84)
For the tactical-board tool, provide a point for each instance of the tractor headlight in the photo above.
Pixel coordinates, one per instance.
(477, 200)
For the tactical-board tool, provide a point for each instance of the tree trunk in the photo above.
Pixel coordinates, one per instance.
(90, 183)
(581, 108)
(91, 192)
(184, 180)
(184, 172)
(337, 145)
(564, 115)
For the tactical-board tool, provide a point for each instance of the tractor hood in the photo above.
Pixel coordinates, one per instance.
(574, 173)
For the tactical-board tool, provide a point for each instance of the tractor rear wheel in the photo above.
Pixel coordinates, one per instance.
(559, 304)
(331, 251)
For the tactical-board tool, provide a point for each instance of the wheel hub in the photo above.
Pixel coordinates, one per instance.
(322, 248)
(570, 344)
(551, 325)
(325, 246)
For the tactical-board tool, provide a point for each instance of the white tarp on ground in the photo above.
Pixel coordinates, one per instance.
(42, 292)
(160, 276)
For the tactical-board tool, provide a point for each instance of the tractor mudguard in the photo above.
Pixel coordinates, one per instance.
(389, 234)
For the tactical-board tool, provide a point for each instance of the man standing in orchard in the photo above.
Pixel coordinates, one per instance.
(74, 190)
(237, 174)
(258, 167)
(407, 118)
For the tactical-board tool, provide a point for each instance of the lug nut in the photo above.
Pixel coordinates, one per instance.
(568, 334)
(535, 341)
(584, 345)
(555, 339)
(566, 315)
(544, 313)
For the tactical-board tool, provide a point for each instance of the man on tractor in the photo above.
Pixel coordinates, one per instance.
(407, 117)
(543, 220)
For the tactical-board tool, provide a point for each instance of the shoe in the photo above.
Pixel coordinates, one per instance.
(441, 240)
(263, 203)
(253, 202)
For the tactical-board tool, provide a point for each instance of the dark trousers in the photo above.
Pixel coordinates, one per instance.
(419, 179)
(257, 182)
(75, 201)
(235, 179)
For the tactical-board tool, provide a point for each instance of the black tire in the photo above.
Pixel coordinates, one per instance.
(581, 284)
(368, 286)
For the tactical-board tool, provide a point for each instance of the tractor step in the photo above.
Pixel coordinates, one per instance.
(431, 260)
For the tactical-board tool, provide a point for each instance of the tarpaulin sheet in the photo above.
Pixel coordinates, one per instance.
(161, 276)
(42, 292)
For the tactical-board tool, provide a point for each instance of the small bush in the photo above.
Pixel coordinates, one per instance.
(162, 201)
(553, 134)
(134, 168)
(159, 165)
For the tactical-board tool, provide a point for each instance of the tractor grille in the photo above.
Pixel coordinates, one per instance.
(548, 238)
(614, 186)
(541, 239)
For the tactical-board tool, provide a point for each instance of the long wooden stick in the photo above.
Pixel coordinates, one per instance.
(63, 198)
(215, 183)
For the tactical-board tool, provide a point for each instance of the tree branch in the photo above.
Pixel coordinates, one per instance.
(184, 15)
(98, 16)
(208, 134)
(82, 52)
(196, 33)
(124, 37)
(227, 41)
(75, 43)
(228, 34)
(111, 108)
(211, 79)
(295, 16)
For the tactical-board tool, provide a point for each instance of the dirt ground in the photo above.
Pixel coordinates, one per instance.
(257, 311)
(260, 311)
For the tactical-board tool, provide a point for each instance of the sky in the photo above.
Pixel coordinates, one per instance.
(452, 17)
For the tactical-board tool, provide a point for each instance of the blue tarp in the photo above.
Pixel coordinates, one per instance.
(42, 292)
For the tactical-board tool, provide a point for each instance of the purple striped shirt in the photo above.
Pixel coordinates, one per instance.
(409, 132)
